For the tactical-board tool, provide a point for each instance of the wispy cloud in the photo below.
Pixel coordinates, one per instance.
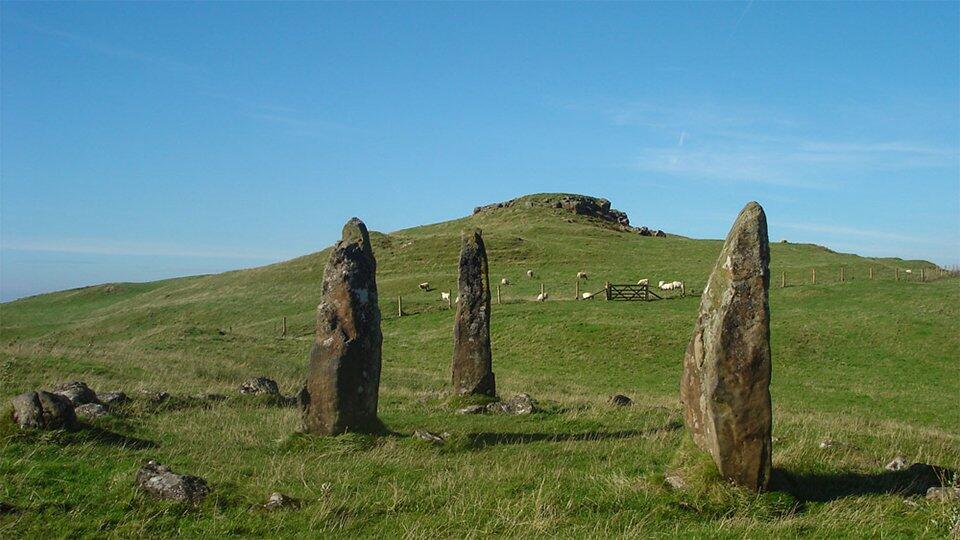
(115, 247)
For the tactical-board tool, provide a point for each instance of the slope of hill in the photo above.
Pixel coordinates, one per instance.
(871, 363)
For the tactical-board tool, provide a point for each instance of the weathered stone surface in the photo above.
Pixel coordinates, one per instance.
(430, 437)
(43, 410)
(944, 493)
(473, 409)
(89, 411)
(725, 388)
(260, 385)
(77, 392)
(518, 404)
(155, 396)
(621, 400)
(472, 361)
(279, 501)
(160, 481)
(112, 398)
(343, 384)
(897, 464)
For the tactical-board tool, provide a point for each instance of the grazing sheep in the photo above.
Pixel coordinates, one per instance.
(643, 281)
(504, 281)
(909, 271)
(542, 296)
(529, 273)
(445, 296)
(671, 285)
(581, 275)
(587, 296)
(425, 286)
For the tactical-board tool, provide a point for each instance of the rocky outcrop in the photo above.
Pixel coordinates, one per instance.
(472, 360)
(260, 386)
(158, 480)
(77, 392)
(577, 204)
(43, 410)
(725, 388)
(343, 384)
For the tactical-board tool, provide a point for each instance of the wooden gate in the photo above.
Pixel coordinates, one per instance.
(630, 293)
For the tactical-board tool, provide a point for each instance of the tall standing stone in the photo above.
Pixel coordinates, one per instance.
(344, 380)
(725, 388)
(472, 361)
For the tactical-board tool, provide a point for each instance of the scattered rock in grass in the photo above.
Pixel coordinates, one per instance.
(160, 481)
(621, 400)
(944, 493)
(43, 410)
(113, 398)
(675, 481)
(279, 501)
(89, 411)
(431, 438)
(518, 404)
(77, 392)
(260, 386)
(829, 443)
(473, 409)
(154, 396)
(897, 464)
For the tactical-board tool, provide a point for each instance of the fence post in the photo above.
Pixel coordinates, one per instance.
(449, 299)
(814, 276)
(283, 331)
(783, 279)
(399, 305)
(841, 275)
(541, 288)
(498, 294)
(921, 274)
(577, 297)
(606, 289)
(871, 272)
(896, 273)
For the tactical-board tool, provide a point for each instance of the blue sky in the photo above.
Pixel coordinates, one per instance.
(150, 140)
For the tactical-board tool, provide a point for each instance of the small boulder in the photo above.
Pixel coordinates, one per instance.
(518, 404)
(473, 409)
(944, 493)
(431, 438)
(897, 464)
(113, 398)
(77, 392)
(621, 400)
(260, 386)
(279, 501)
(675, 481)
(659, 234)
(89, 411)
(159, 481)
(43, 410)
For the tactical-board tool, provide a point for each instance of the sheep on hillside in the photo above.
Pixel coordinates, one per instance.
(445, 296)
(587, 296)
(425, 286)
(643, 281)
(581, 275)
(530, 273)
(542, 296)
(504, 281)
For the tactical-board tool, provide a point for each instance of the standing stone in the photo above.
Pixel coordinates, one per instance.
(344, 380)
(472, 362)
(725, 388)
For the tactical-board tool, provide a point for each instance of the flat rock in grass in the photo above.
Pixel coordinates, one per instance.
(675, 481)
(897, 464)
(725, 388)
(113, 398)
(89, 411)
(430, 437)
(159, 481)
(43, 410)
(473, 409)
(77, 392)
(944, 493)
(154, 396)
(517, 405)
(260, 386)
(279, 501)
(621, 400)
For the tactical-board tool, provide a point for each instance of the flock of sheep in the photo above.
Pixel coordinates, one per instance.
(663, 285)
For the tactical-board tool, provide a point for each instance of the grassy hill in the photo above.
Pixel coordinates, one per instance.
(870, 363)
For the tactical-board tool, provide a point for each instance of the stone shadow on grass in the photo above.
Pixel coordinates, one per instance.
(825, 487)
(476, 441)
(103, 436)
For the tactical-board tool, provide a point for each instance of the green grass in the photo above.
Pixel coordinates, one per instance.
(872, 363)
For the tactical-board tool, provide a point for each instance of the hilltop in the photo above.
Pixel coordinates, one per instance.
(868, 363)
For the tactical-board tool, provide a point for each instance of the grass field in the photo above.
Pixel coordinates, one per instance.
(873, 364)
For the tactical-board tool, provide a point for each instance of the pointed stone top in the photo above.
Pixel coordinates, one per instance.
(355, 232)
(746, 252)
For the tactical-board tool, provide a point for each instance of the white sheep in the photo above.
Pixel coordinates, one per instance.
(529, 273)
(643, 281)
(587, 296)
(909, 271)
(542, 296)
(445, 296)
(504, 281)
(581, 275)
(425, 286)
(669, 286)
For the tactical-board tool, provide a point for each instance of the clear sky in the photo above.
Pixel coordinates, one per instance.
(148, 140)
